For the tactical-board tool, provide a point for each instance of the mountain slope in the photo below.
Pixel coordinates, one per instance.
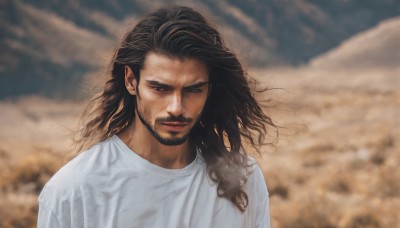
(375, 48)
(48, 46)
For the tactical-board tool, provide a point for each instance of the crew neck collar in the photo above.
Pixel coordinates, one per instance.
(155, 168)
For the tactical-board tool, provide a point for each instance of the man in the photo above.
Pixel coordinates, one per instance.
(166, 137)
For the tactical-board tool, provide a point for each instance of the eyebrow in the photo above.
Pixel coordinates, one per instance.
(196, 85)
(157, 83)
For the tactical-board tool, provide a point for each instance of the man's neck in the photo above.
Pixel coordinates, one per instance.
(140, 140)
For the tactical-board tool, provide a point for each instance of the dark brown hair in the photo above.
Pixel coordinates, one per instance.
(231, 113)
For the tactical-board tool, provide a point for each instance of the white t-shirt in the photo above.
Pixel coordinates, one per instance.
(111, 186)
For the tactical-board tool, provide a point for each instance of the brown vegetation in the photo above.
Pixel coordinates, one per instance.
(20, 183)
(341, 170)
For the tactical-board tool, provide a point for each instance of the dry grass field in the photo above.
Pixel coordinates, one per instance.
(337, 160)
(33, 145)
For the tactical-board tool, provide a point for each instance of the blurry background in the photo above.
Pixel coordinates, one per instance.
(335, 66)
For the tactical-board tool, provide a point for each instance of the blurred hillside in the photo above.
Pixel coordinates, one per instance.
(47, 47)
(375, 48)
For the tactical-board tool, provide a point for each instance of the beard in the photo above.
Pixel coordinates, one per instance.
(174, 141)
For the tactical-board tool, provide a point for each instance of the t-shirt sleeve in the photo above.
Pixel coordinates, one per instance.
(263, 215)
(59, 209)
(54, 208)
(46, 218)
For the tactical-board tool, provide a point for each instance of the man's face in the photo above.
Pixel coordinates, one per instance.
(170, 96)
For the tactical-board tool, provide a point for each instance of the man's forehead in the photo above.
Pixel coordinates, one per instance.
(160, 80)
(166, 69)
(153, 58)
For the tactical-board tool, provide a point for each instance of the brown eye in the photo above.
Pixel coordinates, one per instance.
(160, 88)
(193, 90)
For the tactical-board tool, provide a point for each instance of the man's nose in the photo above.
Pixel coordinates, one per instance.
(175, 107)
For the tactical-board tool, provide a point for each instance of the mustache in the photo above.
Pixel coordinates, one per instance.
(180, 119)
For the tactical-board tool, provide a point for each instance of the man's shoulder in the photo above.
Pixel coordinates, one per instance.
(73, 174)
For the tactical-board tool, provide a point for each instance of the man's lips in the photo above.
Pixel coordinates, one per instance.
(174, 126)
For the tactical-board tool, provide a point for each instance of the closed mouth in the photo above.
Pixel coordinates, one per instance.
(174, 123)
(174, 127)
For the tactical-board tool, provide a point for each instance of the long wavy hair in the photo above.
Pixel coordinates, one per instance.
(231, 114)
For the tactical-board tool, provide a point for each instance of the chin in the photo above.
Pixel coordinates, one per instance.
(172, 142)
